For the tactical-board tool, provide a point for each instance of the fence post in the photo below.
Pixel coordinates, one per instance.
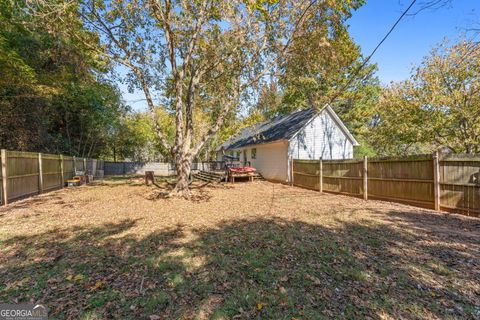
(62, 177)
(436, 181)
(4, 194)
(320, 175)
(365, 178)
(291, 171)
(40, 173)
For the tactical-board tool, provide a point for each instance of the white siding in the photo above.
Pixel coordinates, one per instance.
(321, 137)
(271, 160)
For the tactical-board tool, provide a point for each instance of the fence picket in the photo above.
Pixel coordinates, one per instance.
(452, 184)
(320, 173)
(436, 182)
(4, 177)
(40, 174)
(25, 174)
(365, 178)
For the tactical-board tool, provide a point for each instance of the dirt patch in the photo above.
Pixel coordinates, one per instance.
(248, 250)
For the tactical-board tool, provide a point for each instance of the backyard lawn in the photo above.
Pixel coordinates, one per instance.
(245, 251)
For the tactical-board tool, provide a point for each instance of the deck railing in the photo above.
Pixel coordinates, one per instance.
(209, 166)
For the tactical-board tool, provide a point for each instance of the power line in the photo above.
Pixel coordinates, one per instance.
(374, 50)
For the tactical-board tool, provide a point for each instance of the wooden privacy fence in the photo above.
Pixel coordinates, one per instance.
(445, 182)
(24, 174)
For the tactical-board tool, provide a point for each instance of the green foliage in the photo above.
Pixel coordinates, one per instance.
(206, 59)
(364, 149)
(53, 95)
(318, 71)
(132, 137)
(438, 107)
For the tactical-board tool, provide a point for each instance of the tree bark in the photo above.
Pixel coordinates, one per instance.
(183, 165)
(192, 65)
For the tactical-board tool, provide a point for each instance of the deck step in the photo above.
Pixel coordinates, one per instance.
(258, 177)
(202, 178)
(209, 176)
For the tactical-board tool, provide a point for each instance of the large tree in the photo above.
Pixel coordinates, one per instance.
(53, 93)
(438, 107)
(195, 56)
(324, 66)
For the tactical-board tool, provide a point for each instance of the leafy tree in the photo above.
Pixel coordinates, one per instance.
(54, 97)
(323, 67)
(438, 107)
(133, 138)
(82, 115)
(399, 125)
(203, 59)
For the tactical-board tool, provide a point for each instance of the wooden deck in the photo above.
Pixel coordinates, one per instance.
(251, 176)
(221, 176)
(211, 176)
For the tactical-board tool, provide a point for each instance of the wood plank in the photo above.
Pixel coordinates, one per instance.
(339, 177)
(23, 175)
(4, 177)
(320, 175)
(291, 171)
(436, 182)
(365, 178)
(305, 174)
(401, 180)
(422, 204)
(62, 179)
(40, 173)
(346, 161)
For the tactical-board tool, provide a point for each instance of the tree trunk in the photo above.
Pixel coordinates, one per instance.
(183, 166)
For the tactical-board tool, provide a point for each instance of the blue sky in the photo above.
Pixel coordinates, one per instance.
(412, 40)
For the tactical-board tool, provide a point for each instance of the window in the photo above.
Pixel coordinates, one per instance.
(238, 155)
(254, 153)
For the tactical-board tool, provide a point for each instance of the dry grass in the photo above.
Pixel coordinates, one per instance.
(249, 250)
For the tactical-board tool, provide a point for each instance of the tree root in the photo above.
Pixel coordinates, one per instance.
(180, 193)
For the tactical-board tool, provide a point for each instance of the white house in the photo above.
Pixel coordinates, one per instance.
(306, 134)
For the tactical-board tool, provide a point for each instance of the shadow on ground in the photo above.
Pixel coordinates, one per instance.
(244, 269)
(132, 181)
(162, 186)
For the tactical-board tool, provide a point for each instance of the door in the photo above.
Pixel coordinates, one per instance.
(244, 157)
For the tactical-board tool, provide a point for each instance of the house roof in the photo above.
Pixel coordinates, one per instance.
(282, 127)
(279, 128)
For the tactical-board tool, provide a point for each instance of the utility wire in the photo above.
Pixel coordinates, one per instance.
(373, 52)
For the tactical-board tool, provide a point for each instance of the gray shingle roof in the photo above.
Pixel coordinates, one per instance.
(279, 128)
